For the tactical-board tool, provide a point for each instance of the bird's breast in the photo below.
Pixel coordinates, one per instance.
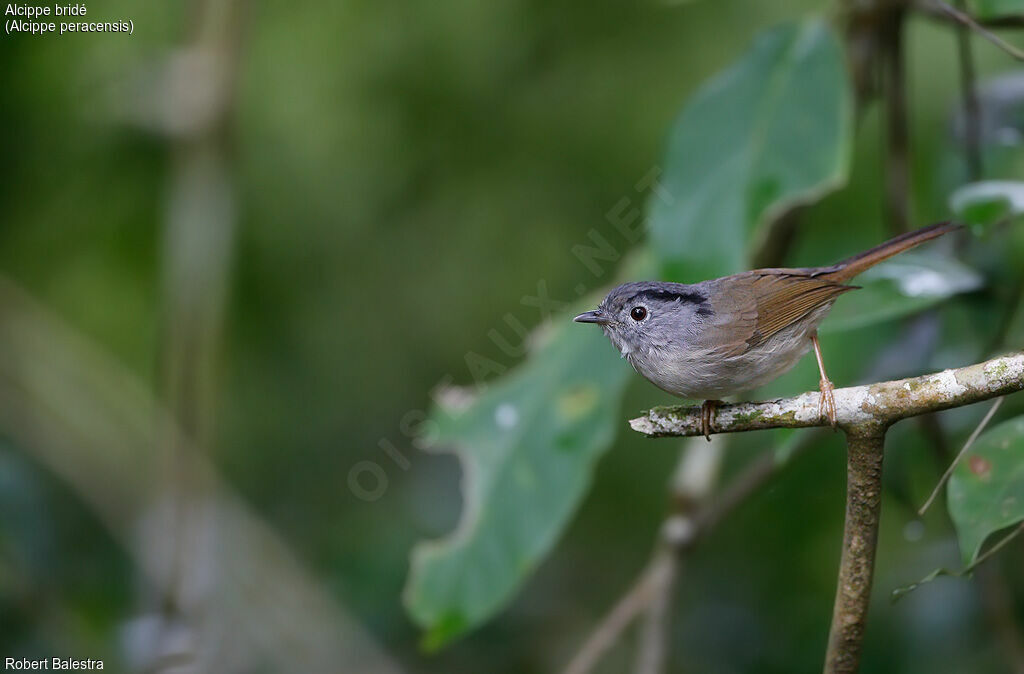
(702, 372)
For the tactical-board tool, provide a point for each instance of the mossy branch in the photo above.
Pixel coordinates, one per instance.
(883, 403)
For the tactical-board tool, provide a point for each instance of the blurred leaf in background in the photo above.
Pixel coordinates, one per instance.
(997, 9)
(528, 447)
(988, 201)
(772, 131)
(909, 283)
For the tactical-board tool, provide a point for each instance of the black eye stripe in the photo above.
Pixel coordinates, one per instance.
(689, 296)
(638, 313)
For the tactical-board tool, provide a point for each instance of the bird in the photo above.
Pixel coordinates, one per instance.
(729, 335)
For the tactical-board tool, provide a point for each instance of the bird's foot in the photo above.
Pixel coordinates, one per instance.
(707, 417)
(827, 402)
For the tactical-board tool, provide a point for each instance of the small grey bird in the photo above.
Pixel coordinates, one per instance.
(728, 335)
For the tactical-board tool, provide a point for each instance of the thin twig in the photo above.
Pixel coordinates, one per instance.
(969, 92)
(941, 10)
(678, 537)
(652, 652)
(897, 141)
(967, 445)
(692, 483)
(900, 592)
(608, 632)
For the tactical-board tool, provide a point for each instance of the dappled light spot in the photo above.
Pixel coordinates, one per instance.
(506, 416)
(913, 531)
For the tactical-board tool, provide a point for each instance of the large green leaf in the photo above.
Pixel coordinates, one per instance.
(901, 286)
(986, 491)
(528, 445)
(771, 131)
(994, 9)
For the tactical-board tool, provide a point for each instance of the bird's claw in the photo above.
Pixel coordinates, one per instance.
(827, 402)
(707, 417)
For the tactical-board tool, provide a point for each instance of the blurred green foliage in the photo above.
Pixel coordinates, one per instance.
(996, 9)
(772, 131)
(405, 175)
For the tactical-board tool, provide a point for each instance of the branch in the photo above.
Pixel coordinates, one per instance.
(692, 483)
(860, 539)
(944, 12)
(897, 146)
(882, 403)
(652, 650)
(679, 535)
(969, 92)
(626, 610)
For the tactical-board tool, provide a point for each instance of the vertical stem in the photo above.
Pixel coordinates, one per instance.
(652, 652)
(972, 109)
(695, 477)
(198, 242)
(860, 539)
(897, 169)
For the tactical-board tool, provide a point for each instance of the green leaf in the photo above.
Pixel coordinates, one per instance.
(986, 490)
(528, 445)
(769, 132)
(988, 202)
(899, 287)
(994, 9)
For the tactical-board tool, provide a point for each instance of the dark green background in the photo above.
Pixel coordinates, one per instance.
(406, 173)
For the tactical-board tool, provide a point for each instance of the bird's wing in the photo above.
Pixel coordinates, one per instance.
(752, 307)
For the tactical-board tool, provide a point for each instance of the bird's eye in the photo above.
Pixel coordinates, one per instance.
(638, 313)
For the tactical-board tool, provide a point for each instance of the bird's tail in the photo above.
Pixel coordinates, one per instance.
(850, 267)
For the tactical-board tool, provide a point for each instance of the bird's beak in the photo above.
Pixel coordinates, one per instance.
(593, 317)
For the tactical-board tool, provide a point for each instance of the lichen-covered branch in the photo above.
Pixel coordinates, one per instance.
(882, 403)
(944, 12)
